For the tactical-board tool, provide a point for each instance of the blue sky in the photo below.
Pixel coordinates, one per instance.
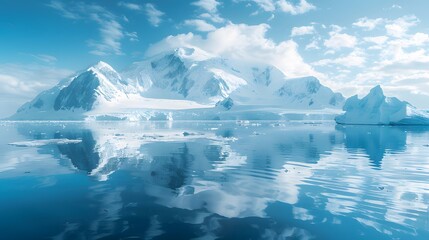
(349, 45)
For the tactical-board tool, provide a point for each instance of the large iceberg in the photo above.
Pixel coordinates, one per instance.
(377, 109)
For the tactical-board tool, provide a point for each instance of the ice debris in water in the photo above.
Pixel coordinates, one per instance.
(38, 143)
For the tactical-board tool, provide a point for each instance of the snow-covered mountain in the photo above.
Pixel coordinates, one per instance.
(181, 79)
(190, 73)
(74, 96)
(377, 109)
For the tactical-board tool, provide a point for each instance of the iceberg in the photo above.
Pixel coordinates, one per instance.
(377, 109)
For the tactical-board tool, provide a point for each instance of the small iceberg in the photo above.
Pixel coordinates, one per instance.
(39, 143)
(377, 109)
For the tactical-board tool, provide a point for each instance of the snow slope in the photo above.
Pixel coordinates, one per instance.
(185, 82)
(192, 74)
(377, 109)
(72, 97)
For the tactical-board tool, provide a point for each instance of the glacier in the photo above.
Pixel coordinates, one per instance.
(183, 84)
(377, 109)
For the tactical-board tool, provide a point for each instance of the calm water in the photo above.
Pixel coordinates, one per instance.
(213, 180)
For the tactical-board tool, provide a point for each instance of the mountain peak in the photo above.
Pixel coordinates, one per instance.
(377, 90)
(192, 53)
(102, 66)
(184, 51)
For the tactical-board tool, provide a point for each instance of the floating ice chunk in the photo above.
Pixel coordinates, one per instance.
(377, 109)
(38, 143)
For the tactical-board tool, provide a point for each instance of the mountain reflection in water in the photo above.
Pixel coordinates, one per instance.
(230, 180)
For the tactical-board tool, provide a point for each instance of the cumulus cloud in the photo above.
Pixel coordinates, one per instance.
(368, 24)
(399, 27)
(243, 43)
(312, 45)
(266, 5)
(339, 40)
(208, 5)
(414, 40)
(397, 60)
(154, 15)
(396, 55)
(210, 10)
(214, 17)
(304, 30)
(396, 27)
(354, 59)
(286, 6)
(302, 7)
(200, 25)
(111, 31)
(379, 40)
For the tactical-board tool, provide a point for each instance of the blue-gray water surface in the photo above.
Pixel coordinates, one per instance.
(213, 180)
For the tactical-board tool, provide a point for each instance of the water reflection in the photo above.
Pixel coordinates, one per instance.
(83, 156)
(374, 140)
(228, 180)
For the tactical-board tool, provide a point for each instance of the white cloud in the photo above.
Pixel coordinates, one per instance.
(304, 30)
(207, 5)
(313, 45)
(111, 34)
(59, 6)
(398, 60)
(396, 6)
(12, 85)
(131, 6)
(132, 36)
(395, 55)
(401, 72)
(242, 42)
(111, 31)
(399, 27)
(302, 7)
(355, 59)
(211, 10)
(22, 82)
(340, 40)
(379, 40)
(415, 40)
(200, 25)
(286, 6)
(212, 17)
(266, 5)
(154, 15)
(336, 28)
(45, 58)
(368, 24)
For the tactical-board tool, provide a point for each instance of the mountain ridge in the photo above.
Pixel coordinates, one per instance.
(184, 78)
